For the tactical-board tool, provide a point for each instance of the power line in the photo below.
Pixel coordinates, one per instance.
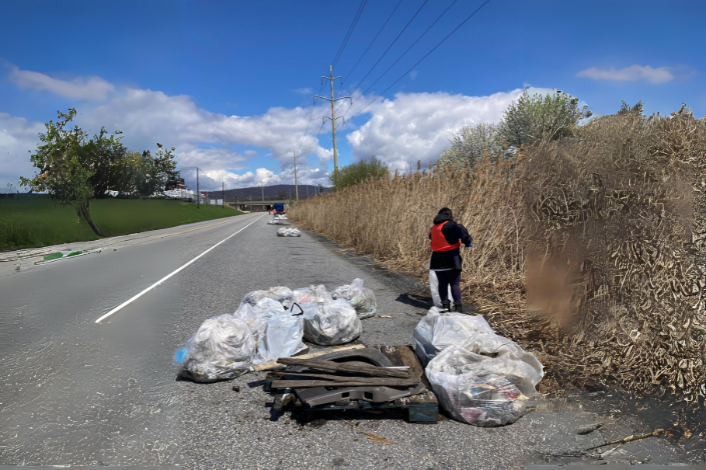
(389, 47)
(371, 42)
(410, 47)
(350, 31)
(420, 61)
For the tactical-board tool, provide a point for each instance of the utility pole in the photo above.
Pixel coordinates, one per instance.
(198, 194)
(333, 118)
(296, 186)
(262, 182)
(223, 191)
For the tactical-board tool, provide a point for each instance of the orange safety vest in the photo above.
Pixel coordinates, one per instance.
(438, 241)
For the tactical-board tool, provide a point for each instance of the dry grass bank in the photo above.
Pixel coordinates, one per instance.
(604, 230)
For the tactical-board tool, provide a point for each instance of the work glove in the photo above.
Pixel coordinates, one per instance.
(469, 245)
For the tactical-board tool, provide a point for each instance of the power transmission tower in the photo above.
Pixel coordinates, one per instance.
(296, 186)
(333, 118)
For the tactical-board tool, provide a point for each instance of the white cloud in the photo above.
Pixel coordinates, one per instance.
(413, 74)
(417, 126)
(89, 88)
(17, 136)
(304, 91)
(630, 74)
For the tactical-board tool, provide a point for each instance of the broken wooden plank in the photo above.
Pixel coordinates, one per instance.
(342, 378)
(381, 381)
(274, 364)
(345, 367)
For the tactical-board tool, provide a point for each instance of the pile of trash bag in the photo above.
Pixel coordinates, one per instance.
(440, 329)
(331, 323)
(361, 298)
(222, 348)
(485, 380)
(271, 324)
(289, 232)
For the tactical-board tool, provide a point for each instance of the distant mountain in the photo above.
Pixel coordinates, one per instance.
(273, 192)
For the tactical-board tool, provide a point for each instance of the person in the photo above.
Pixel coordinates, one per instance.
(446, 238)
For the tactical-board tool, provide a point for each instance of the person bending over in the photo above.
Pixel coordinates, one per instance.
(446, 239)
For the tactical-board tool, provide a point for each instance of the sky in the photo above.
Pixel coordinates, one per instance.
(230, 84)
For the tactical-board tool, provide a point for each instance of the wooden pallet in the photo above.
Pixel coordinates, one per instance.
(422, 408)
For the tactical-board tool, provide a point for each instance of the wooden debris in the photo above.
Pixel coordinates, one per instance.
(352, 382)
(274, 364)
(345, 367)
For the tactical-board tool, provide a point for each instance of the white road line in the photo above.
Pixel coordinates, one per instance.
(170, 275)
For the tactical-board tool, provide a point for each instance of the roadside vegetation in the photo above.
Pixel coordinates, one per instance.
(589, 238)
(75, 170)
(37, 220)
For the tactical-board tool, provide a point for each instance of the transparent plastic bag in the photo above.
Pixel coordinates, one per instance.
(281, 294)
(331, 323)
(222, 348)
(434, 288)
(439, 329)
(282, 338)
(288, 232)
(315, 294)
(484, 381)
(361, 298)
(256, 316)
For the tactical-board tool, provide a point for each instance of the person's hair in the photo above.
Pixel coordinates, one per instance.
(446, 211)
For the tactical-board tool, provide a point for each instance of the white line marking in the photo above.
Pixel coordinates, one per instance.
(170, 275)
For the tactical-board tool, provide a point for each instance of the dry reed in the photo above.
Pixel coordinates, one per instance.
(606, 228)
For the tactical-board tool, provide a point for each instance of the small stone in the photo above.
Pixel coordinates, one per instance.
(236, 388)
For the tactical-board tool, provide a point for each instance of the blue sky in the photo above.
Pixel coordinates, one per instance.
(230, 84)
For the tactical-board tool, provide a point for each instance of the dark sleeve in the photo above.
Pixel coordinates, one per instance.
(466, 238)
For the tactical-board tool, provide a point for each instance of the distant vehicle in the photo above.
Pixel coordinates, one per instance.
(279, 207)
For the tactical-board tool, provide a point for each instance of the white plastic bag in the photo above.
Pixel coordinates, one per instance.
(256, 316)
(282, 338)
(316, 294)
(288, 232)
(361, 298)
(331, 323)
(222, 348)
(484, 381)
(440, 329)
(283, 295)
(434, 288)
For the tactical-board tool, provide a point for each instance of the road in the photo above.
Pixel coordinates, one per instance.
(77, 392)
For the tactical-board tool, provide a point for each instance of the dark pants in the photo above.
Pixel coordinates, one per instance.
(453, 278)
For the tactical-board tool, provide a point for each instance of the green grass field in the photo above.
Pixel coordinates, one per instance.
(36, 220)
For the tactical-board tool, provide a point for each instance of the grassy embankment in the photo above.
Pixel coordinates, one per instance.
(33, 221)
(597, 228)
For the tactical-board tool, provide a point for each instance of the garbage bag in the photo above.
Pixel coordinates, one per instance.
(439, 329)
(316, 294)
(282, 338)
(484, 381)
(361, 298)
(222, 348)
(331, 323)
(288, 232)
(281, 294)
(256, 316)
(434, 288)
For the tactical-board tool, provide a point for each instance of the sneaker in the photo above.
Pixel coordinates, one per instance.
(458, 308)
(446, 305)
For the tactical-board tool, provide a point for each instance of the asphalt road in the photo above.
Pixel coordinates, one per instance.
(73, 392)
